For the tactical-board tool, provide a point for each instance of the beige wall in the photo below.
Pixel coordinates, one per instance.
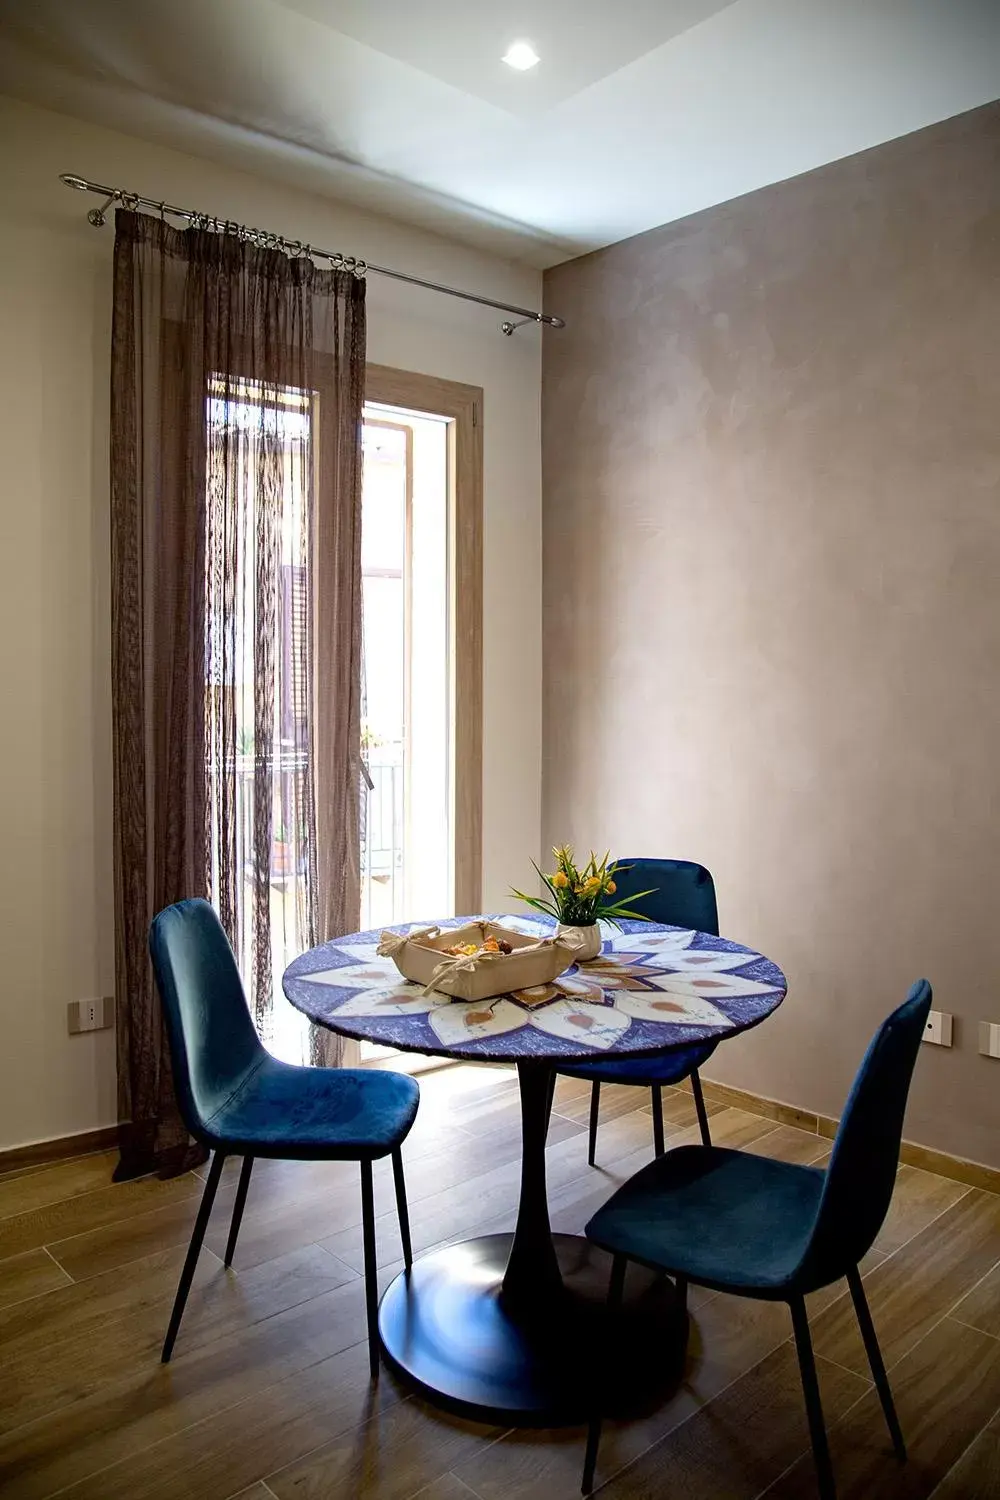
(55, 280)
(771, 469)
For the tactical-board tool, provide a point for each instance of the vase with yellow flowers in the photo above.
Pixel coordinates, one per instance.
(579, 897)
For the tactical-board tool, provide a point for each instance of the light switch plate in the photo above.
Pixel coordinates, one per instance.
(938, 1028)
(90, 1015)
(989, 1038)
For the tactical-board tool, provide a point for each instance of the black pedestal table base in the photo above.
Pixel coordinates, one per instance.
(448, 1330)
(515, 1327)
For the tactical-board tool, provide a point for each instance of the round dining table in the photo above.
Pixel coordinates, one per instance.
(513, 1327)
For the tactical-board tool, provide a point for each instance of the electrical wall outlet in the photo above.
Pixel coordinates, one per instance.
(989, 1038)
(90, 1015)
(938, 1029)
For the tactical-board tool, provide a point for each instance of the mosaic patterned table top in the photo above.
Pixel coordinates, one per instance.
(652, 988)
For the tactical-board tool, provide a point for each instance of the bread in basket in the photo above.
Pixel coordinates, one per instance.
(511, 961)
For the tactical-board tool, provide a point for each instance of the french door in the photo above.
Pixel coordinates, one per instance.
(422, 703)
(420, 830)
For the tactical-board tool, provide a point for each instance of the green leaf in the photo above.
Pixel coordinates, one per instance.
(537, 902)
(545, 879)
(622, 909)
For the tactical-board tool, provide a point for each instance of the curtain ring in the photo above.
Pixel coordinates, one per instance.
(361, 269)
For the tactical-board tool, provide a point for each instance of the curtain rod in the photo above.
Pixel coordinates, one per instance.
(96, 216)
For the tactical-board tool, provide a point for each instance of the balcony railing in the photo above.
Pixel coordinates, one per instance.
(381, 867)
(382, 828)
(382, 842)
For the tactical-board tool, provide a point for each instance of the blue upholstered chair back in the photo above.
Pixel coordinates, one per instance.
(213, 1041)
(862, 1170)
(683, 893)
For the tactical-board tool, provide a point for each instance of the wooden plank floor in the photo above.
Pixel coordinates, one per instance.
(267, 1397)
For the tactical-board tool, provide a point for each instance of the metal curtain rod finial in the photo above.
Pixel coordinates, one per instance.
(97, 217)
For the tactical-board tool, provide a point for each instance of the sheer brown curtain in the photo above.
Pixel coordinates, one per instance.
(237, 393)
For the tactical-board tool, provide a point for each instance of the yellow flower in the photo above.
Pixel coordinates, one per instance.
(578, 890)
(560, 880)
(610, 887)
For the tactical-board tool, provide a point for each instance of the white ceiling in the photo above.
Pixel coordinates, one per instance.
(639, 112)
(462, 43)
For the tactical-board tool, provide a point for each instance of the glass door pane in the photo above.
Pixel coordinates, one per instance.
(407, 852)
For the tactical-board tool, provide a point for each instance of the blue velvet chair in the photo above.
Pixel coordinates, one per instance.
(682, 895)
(754, 1227)
(240, 1101)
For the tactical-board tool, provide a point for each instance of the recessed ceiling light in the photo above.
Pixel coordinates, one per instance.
(521, 55)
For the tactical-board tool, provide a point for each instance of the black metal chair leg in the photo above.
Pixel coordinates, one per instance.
(875, 1360)
(657, 1094)
(595, 1110)
(616, 1287)
(238, 1206)
(371, 1267)
(401, 1208)
(590, 1456)
(194, 1249)
(814, 1407)
(700, 1110)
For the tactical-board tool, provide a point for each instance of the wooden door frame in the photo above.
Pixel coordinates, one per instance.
(463, 406)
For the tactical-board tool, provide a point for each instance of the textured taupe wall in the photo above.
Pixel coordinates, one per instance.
(771, 471)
